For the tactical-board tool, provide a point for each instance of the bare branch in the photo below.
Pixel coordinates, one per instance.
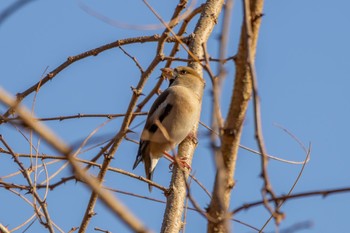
(133, 58)
(323, 193)
(114, 144)
(267, 188)
(279, 205)
(32, 190)
(120, 210)
(72, 59)
(234, 121)
(176, 198)
(174, 50)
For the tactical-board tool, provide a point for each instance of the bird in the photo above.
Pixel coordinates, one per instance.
(171, 117)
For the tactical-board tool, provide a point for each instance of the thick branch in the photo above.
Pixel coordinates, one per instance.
(175, 200)
(233, 126)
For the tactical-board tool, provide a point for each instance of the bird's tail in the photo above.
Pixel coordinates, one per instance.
(144, 155)
(140, 153)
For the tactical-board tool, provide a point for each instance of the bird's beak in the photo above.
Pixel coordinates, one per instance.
(168, 73)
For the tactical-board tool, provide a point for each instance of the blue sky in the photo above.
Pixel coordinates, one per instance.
(302, 64)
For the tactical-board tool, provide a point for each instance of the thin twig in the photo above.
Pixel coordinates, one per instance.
(132, 58)
(72, 59)
(127, 25)
(217, 121)
(23, 224)
(169, 27)
(73, 229)
(323, 193)
(291, 189)
(119, 209)
(169, 58)
(78, 116)
(174, 50)
(91, 163)
(224, 38)
(267, 189)
(257, 152)
(78, 150)
(32, 205)
(196, 205)
(200, 185)
(113, 146)
(48, 223)
(101, 230)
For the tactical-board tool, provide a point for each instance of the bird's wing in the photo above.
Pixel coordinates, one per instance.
(160, 109)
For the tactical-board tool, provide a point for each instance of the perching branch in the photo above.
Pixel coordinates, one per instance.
(176, 198)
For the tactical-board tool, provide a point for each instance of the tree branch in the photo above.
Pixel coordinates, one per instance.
(114, 145)
(175, 200)
(232, 130)
(70, 60)
(117, 207)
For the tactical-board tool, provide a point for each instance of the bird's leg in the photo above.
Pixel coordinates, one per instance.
(182, 162)
(169, 157)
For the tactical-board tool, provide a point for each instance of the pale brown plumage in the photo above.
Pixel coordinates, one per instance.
(171, 117)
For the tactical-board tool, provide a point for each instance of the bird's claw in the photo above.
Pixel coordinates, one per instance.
(182, 162)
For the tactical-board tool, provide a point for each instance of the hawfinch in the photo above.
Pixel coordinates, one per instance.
(171, 117)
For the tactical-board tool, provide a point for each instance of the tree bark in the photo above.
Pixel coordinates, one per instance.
(231, 133)
(172, 221)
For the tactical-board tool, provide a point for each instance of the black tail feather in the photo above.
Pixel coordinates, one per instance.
(150, 176)
(140, 153)
(144, 156)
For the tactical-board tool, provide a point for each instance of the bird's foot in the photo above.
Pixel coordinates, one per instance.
(182, 162)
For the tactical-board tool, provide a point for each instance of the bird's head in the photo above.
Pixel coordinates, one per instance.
(187, 76)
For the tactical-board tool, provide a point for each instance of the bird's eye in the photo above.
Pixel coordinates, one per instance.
(183, 72)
